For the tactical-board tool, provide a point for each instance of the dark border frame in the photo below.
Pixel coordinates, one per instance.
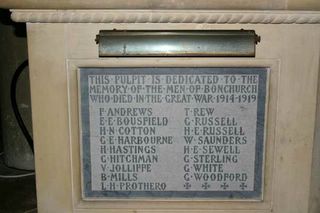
(262, 72)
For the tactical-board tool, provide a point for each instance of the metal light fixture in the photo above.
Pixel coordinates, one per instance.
(214, 43)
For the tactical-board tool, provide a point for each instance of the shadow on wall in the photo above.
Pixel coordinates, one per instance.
(13, 51)
(19, 28)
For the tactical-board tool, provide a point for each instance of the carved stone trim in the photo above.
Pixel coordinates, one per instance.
(167, 16)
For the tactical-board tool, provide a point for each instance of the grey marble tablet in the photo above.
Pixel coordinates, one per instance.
(172, 132)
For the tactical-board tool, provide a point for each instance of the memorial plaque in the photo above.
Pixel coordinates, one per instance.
(172, 132)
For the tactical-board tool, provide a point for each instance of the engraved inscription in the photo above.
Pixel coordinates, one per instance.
(173, 132)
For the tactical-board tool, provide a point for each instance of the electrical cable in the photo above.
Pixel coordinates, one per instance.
(13, 89)
(16, 176)
(13, 98)
(31, 210)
